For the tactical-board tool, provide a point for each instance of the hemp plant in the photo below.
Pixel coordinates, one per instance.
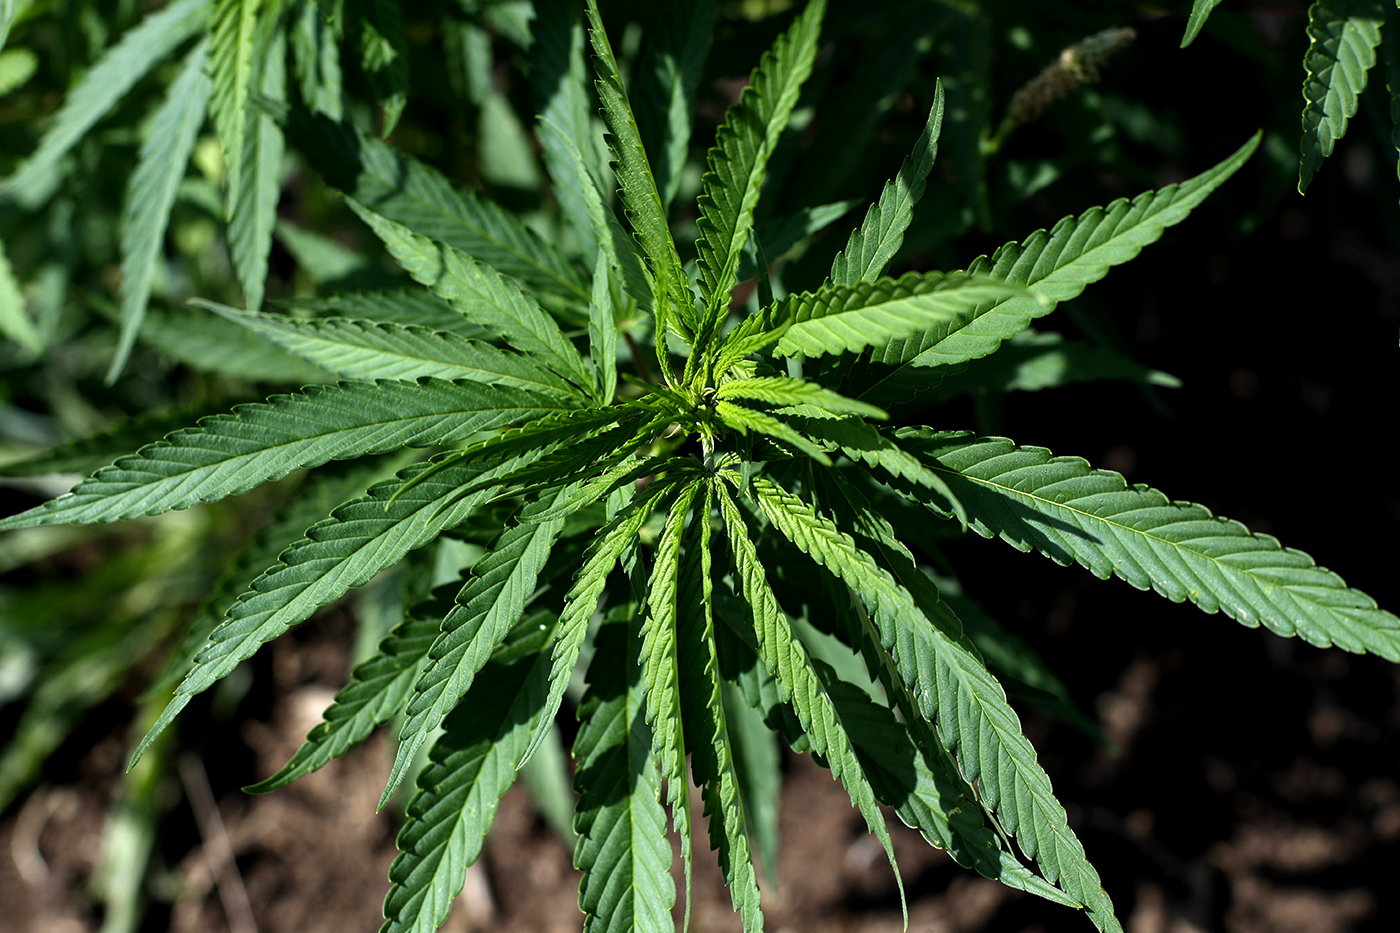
(726, 530)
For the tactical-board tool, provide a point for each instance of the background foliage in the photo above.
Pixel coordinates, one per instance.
(1277, 311)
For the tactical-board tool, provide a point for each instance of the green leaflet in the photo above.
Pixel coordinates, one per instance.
(151, 193)
(622, 848)
(255, 172)
(670, 288)
(582, 599)
(1070, 512)
(1343, 35)
(85, 454)
(409, 307)
(375, 693)
(316, 54)
(1054, 267)
(361, 538)
(744, 420)
(471, 766)
(383, 49)
(849, 318)
(737, 163)
(757, 767)
(1200, 12)
(481, 294)
(488, 605)
(416, 196)
(232, 39)
(326, 488)
(602, 334)
(232, 453)
(1033, 361)
(782, 390)
(800, 686)
(871, 247)
(355, 349)
(661, 675)
(14, 315)
(702, 709)
(951, 686)
(670, 79)
(105, 83)
(213, 345)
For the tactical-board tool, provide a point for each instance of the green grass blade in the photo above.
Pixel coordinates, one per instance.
(127, 62)
(471, 766)
(1342, 40)
(232, 453)
(482, 294)
(418, 197)
(151, 191)
(1200, 12)
(255, 175)
(232, 43)
(365, 350)
(622, 849)
(1053, 267)
(737, 163)
(360, 539)
(1073, 513)
(951, 687)
(870, 248)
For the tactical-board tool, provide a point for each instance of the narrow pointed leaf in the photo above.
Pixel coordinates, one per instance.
(316, 53)
(1072, 513)
(232, 40)
(151, 192)
(383, 49)
(364, 350)
(412, 194)
(232, 453)
(1053, 267)
(737, 163)
(482, 294)
(360, 539)
(1200, 12)
(869, 250)
(1342, 40)
(953, 688)
(670, 77)
(622, 849)
(408, 307)
(783, 390)
(744, 420)
(471, 766)
(134, 55)
(255, 173)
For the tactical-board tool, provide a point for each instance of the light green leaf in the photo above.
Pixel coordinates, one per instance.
(232, 453)
(255, 174)
(744, 420)
(488, 605)
(213, 345)
(361, 538)
(412, 194)
(364, 350)
(622, 849)
(482, 294)
(799, 684)
(316, 53)
(869, 249)
(1200, 12)
(232, 41)
(739, 159)
(14, 313)
(950, 686)
(670, 73)
(383, 51)
(783, 390)
(1072, 513)
(1053, 267)
(408, 307)
(127, 62)
(757, 767)
(703, 710)
(670, 288)
(1031, 361)
(848, 318)
(602, 334)
(151, 193)
(1343, 35)
(471, 766)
